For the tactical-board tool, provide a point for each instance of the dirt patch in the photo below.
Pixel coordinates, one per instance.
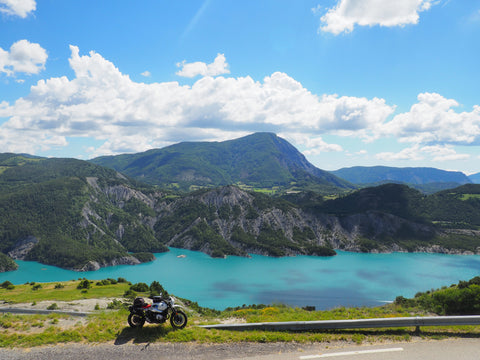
(12, 324)
(82, 305)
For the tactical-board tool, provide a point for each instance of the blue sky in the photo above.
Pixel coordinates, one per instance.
(348, 82)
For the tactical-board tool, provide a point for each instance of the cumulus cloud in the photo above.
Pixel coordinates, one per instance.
(348, 13)
(433, 120)
(412, 153)
(314, 145)
(102, 103)
(190, 70)
(146, 73)
(19, 8)
(438, 153)
(23, 57)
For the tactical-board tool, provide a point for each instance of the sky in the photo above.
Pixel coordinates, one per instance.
(347, 82)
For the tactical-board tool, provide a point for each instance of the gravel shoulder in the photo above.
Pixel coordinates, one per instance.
(162, 351)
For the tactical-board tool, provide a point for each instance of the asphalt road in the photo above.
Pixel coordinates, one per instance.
(457, 349)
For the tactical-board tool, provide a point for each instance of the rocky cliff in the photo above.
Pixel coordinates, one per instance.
(229, 220)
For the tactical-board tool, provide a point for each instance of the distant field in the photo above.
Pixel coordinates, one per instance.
(469, 196)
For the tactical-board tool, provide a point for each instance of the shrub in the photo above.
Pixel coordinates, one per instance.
(157, 289)
(122, 280)
(103, 282)
(84, 284)
(6, 284)
(139, 287)
(130, 294)
(36, 287)
(53, 306)
(59, 286)
(115, 304)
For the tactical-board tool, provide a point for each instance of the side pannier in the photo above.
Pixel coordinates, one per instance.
(139, 302)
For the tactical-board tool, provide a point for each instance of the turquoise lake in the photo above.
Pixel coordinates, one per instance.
(348, 279)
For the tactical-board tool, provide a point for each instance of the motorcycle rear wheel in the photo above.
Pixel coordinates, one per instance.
(135, 320)
(178, 320)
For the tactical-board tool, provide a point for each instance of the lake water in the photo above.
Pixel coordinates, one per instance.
(348, 279)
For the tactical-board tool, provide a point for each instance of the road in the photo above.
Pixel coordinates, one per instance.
(464, 349)
(458, 349)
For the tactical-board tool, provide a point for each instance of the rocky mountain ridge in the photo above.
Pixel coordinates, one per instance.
(81, 216)
(245, 223)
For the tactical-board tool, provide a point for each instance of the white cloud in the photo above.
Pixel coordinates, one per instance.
(146, 73)
(314, 145)
(437, 153)
(17, 7)
(432, 120)
(23, 57)
(444, 153)
(348, 13)
(190, 70)
(406, 154)
(102, 103)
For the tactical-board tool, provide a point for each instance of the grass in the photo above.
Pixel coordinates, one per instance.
(47, 291)
(111, 326)
(465, 197)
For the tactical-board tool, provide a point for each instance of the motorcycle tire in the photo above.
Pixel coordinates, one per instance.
(135, 320)
(178, 320)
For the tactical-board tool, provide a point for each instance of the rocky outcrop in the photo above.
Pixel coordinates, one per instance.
(22, 247)
(223, 211)
(95, 265)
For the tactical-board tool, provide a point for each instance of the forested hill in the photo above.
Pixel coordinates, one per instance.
(422, 178)
(475, 178)
(71, 213)
(261, 160)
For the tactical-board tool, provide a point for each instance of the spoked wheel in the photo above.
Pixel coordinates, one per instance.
(135, 320)
(178, 319)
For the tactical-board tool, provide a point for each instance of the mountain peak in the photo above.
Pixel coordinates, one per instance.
(261, 160)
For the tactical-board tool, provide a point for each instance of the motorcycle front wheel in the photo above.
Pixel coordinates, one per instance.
(178, 320)
(135, 320)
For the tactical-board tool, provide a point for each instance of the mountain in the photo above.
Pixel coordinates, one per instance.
(475, 178)
(261, 160)
(389, 217)
(71, 213)
(78, 215)
(422, 178)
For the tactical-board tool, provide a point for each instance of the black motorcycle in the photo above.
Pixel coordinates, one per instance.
(157, 313)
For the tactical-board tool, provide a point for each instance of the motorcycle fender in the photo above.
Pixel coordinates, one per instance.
(178, 307)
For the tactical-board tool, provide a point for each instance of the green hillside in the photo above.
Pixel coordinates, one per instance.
(475, 178)
(261, 160)
(455, 208)
(425, 179)
(56, 211)
(396, 199)
(458, 207)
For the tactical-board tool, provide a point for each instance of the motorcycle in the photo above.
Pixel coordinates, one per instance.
(157, 313)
